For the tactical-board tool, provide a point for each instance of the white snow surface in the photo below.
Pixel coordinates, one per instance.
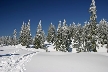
(67, 62)
(22, 59)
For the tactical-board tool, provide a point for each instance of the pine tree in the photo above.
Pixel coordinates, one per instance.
(29, 36)
(40, 37)
(72, 30)
(15, 37)
(5, 40)
(9, 40)
(103, 32)
(63, 40)
(25, 35)
(92, 28)
(51, 34)
(78, 38)
(84, 35)
(2, 40)
(65, 37)
(58, 41)
(21, 34)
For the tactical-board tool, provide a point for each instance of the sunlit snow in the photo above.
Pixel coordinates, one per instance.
(21, 59)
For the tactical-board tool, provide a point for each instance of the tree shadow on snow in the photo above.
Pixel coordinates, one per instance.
(46, 45)
(1, 50)
(8, 55)
(70, 50)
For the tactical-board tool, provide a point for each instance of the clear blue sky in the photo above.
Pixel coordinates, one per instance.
(14, 12)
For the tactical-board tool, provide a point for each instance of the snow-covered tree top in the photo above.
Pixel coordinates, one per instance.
(85, 22)
(64, 20)
(51, 23)
(59, 21)
(79, 24)
(93, 3)
(74, 23)
(65, 26)
(88, 23)
(15, 32)
(53, 26)
(40, 22)
(103, 22)
(29, 20)
(64, 23)
(28, 26)
(70, 25)
(23, 22)
(93, 10)
(59, 25)
(39, 26)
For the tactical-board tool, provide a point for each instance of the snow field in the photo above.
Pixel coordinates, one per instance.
(19, 65)
(6, 63)
(67, 62)
(16, 63)
(38, 60)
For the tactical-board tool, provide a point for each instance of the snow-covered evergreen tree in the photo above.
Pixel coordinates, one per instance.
(59, 25)
(92, 29)
(78, 38)
(72, 30)
(5, 40)
(58, 41)
(2, 40)
(29, 36)
(51, 34)
(15, 37)
(40, 37)
(22, 35)
(84, 35)
(102, 31)
(65, 37)
(63, 40)
(9, 41)
(25, 35)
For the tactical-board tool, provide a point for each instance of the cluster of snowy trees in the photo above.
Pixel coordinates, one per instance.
(25, 38)
(83, 38)
(9, 40)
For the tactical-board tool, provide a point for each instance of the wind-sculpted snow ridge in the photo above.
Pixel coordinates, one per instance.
(6, 63)
(17, 65)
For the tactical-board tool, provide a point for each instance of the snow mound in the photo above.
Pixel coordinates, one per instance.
(46, 42)
(51, 48)
(102, 49)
